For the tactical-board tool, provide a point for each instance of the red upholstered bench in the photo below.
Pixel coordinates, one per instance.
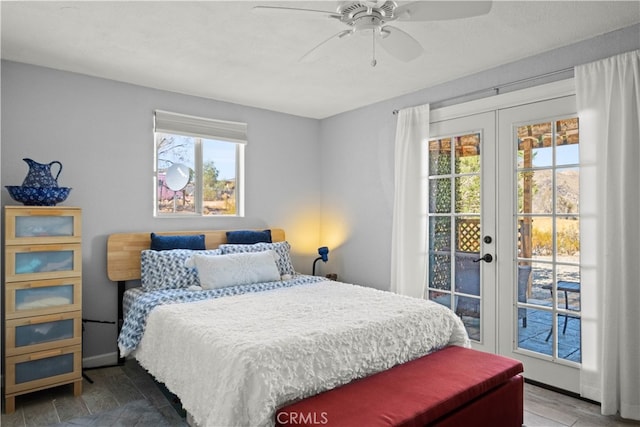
(452, 387)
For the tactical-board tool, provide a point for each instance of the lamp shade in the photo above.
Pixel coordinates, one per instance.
(323, 251)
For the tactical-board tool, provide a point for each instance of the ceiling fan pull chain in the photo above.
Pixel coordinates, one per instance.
(373, 61)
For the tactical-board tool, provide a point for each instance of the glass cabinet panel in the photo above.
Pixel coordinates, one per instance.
(48, 296)
(44, 332)
(35, 262)
(49, 367)
(38, 262)
(38, 225)
(40, 297)
(44, 226)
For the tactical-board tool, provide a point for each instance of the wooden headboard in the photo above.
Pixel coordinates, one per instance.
(123, 249)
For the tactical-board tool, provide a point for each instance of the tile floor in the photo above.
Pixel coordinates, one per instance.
(114, 387)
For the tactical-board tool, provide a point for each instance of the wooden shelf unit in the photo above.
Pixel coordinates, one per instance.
(43, 300)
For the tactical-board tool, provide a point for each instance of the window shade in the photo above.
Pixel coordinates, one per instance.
(201, 127)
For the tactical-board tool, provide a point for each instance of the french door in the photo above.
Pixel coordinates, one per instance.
(539, 234)
(504, 233)
(462, 273)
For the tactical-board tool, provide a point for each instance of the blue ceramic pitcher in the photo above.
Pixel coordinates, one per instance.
(40, 174)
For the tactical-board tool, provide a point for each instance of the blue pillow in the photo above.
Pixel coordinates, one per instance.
(248, 237)
(165, 243)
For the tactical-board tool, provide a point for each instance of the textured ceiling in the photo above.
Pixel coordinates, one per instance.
(226, 51)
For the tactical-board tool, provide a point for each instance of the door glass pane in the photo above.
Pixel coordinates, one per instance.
(539, 292)
(548, 225)
(440, 229)
(468, 194)
(568, 273)
(535, 145)
(468, 234)
(535, 191)
(569, 346)
(533, 331)
(440, 271)
(440, 253)
(568, 237)
(567, 139)
(467, 273)
(443, 298)
(469, 311)
(440, 157)
(568, 191)
(541, 238)
(440, 195)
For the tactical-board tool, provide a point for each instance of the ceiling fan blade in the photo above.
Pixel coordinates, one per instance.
(278, 9)
(441, 10)
(325, 46)
(400, 44)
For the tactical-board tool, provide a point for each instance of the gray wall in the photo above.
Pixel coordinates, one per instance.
(101, 131)
(357, 148)
(326, 182)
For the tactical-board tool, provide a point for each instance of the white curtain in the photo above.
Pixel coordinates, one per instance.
(608, 100)
(408, 238)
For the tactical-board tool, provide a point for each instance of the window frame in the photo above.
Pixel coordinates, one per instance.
(200, 129)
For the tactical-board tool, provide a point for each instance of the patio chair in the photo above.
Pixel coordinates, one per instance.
(524, 273)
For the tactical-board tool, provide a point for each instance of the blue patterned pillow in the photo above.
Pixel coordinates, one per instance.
(248, 237)
(165, 243)
(283, 250)
(166, 269)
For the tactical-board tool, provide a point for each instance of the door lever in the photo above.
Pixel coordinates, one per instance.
(485, 258)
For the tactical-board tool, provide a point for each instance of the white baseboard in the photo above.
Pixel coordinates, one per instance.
(106, 359)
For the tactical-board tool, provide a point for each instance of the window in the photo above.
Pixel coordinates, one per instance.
(199, 166)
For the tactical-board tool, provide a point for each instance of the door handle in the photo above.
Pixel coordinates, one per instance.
(485, 258)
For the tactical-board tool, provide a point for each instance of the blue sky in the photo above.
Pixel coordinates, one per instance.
(565, 155)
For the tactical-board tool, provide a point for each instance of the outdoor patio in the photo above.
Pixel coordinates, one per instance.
(534, 336)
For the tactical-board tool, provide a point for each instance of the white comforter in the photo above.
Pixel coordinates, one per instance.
(234, 360)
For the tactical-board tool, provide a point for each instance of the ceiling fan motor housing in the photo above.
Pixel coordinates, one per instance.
(366, 15)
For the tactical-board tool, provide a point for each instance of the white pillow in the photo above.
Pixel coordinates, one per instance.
(222, 271)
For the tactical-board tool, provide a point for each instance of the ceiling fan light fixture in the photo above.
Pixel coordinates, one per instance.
(367, 23)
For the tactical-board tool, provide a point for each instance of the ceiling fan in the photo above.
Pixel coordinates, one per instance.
(375, 15)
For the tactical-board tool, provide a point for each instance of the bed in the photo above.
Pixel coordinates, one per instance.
(235, 353)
